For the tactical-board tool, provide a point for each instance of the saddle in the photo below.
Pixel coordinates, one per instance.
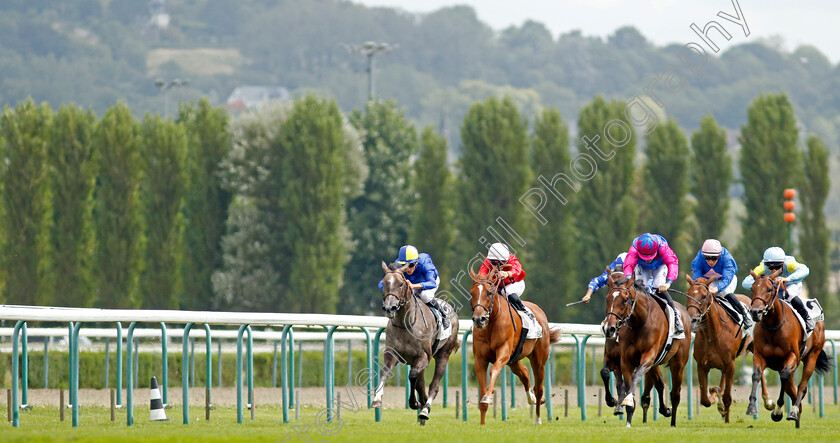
(814, 310)
(733, 313)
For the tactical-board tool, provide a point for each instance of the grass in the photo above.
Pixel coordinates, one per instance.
(398, 425)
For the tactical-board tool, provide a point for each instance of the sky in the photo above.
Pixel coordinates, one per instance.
(813, 22)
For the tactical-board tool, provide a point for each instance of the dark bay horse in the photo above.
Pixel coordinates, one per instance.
(718, 342)
(612, 356)
(411, 333)
(494, 340)
(641, 343)
(776, 345)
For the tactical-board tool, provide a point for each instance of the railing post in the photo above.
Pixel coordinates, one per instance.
(504, 393)
(119, 365)
(689, 375)
(46, 362)
(548, 381)
(165, 363)
(242, 329)
(129, 381)
(291, 345)
(74, 383)
(24, 361)
(15, 343)
(209, 366)
(582, 376)
(274, 367)
(284, 372)
(445, 384)
(329, 370)
(185, 390)
(834, 377)
(107, 362)
(369, 362)
(464, 378)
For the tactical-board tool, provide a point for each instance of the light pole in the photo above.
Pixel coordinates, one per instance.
(165, 86)
(370, 49)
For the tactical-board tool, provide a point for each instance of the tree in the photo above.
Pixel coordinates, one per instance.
(432, 224)
(25, 204)
(769, 164)
(117, 216)
(163, 146)
(813, 234)
(379, 218)
(71, 173)
(553, 252)
(606, 213)
(495, 171)
(206, 202)
(310, 197)
(666, 185)
(711, 178)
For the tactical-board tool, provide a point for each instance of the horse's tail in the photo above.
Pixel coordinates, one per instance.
(555, 335)
(824, 362)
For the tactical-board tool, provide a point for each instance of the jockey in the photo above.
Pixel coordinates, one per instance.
(600, 281)
(423, 278)
(793, 273)
(651, 261)
(513, 281)
(716, 262)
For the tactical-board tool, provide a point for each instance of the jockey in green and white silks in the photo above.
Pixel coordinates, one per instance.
(792, 274)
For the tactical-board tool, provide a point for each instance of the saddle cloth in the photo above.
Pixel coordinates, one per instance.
(814, 310)
(534, 328)
(735, 314)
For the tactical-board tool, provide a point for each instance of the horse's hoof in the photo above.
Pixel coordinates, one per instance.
(629, 401)
(776, 417)
(424, 413)
(610, 401)
(752, 409)
(487, 399)
(537, 421)
(794, 414)
(532, 399)
(422, 422)
(414, 405)
(769, 404)
(376, 404)
(721, 407)
(628, 425)
(666, 412)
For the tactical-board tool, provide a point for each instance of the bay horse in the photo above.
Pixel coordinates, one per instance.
(718, 342)
(776, 345)
(411, 333)
(495, 340)
(641, 343)
(612, 356)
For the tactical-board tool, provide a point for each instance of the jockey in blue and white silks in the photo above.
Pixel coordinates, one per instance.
(600, 281)
(792, 275)
(423, 277)
(716, 262)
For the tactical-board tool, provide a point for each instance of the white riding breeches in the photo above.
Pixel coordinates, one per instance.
(426, 295)
(515, 288)
(794, 290)
(729, 289)
(653, 278)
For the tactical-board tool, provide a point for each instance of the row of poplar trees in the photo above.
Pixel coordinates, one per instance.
(292, 208)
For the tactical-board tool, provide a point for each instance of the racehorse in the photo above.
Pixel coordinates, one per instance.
(411, 334)
(612, 356)
(777, 344)
(718, 342)
(496, 335)
(642, 342)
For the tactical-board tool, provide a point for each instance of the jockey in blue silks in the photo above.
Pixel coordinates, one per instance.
(600, 281)
(716, 262)
(423, 278)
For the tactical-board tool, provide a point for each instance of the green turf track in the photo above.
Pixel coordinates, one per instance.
(42, 424)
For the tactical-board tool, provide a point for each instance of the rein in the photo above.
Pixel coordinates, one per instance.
(768, 305)
(494, 294)
(622, 321)
(401, 302)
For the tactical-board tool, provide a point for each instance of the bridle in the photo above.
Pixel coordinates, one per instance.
(401, 301)
(699, 303)
(768, 305)
(493, 294)
(626, 318)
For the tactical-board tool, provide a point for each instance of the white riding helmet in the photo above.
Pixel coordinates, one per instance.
(498, 251)
(711, 248)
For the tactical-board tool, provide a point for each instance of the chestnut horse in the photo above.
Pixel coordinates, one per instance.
(776, 345)
(411, 333)
(641, 343)
(718, 342)
(495, 340)
(612, 357)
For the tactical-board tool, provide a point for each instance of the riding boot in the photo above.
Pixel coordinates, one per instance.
(799, 305)
(517, 304)
(444, 310)
(748, 321)
(678, 326)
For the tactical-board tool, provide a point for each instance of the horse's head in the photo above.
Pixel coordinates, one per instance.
(764, 292)
(395, 289)
(621, 300)
(699, 299)
(483, 297)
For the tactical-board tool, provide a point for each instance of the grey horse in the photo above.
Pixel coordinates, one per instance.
(411, 333)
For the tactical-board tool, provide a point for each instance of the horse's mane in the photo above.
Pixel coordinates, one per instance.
(621, 280)
(639, 285)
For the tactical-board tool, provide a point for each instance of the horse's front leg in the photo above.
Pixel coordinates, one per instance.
(758, 377)
(415, 377)
(632, 378)
(703, 378)
(389, 361)
(726, 380)
(487, 393)
(808, 365)
(787, 385)
(481, 375)
(434, 387)
(606, 370)
(522, 373)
